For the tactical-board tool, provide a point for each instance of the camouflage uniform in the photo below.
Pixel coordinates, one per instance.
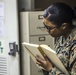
(66, 51)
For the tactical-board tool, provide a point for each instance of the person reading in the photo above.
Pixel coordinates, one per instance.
(58, 20)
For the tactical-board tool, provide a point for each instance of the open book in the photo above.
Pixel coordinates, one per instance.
(35, 49)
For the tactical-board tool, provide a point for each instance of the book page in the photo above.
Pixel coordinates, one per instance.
(32, 49)
(51, 54)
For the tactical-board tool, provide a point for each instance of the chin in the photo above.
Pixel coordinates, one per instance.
(55, 36)
(52, 35)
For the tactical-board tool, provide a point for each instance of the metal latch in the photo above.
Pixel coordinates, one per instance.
(13, 48)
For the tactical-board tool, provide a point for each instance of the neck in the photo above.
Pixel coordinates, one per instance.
(68, 31)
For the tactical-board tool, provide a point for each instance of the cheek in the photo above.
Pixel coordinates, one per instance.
(55, 33)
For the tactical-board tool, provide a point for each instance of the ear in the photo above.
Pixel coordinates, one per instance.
(64, 26)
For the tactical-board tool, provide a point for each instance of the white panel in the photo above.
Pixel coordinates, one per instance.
(9, 65)
(4, 67)
(11, 21)
(4, 64)
(26, 62)
(24, 20)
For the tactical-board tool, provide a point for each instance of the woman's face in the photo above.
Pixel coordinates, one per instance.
(51, 28)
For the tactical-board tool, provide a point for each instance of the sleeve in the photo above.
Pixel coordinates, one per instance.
(45, 72)
(72, 62)
(55, 71)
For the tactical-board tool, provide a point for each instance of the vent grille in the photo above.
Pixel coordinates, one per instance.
(3, 66)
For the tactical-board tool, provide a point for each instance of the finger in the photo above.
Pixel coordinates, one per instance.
(46, 58)
(39, 58)
(39, 64)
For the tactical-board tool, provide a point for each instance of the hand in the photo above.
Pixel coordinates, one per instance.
(45, 63)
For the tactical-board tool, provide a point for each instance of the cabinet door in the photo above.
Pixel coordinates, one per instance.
(43, 39)
(36, 26)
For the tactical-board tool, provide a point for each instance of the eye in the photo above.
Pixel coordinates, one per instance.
(48, 27)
